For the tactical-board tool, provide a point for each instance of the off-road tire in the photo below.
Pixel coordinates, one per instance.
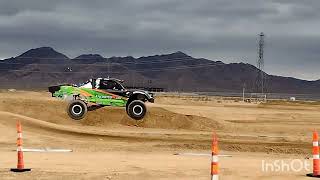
(77, 109)
(136, 109)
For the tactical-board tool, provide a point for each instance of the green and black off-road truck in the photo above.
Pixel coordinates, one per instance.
(102, 92)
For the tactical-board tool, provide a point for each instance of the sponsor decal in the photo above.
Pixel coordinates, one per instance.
(104, 97)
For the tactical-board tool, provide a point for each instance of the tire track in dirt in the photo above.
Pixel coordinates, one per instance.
(171, 140)
(82, 131)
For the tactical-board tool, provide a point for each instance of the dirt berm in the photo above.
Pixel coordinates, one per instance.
(54, 111)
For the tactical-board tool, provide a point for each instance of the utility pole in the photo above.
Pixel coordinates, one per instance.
(243, 91)
(108, 64)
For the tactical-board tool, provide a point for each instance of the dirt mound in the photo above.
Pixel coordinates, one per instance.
(155, 118)
(55, 112)
(50, 111)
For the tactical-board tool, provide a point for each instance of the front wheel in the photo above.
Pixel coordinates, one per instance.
(136, 109)
(77, 109)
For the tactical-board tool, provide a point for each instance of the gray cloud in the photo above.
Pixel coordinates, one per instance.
(215, 29)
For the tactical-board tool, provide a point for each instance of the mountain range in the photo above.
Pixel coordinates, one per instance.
(44, 66)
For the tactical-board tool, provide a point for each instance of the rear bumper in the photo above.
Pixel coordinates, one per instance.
(53, 89)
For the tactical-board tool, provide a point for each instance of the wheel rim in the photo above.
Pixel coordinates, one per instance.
(137, 110)
(76, 109)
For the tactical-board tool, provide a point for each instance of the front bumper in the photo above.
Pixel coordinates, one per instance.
(151, 100)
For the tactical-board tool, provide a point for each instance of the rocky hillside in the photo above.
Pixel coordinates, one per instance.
(41, 67)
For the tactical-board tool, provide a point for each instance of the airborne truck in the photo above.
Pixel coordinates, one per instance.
(102, 92)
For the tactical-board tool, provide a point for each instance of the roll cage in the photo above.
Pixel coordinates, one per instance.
(104, 84)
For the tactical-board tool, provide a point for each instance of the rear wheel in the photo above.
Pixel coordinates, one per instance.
(136, 109)
(77, 109)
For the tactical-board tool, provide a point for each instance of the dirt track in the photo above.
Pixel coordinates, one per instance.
(109, 145)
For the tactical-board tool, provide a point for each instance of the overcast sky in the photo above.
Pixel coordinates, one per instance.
(226, 30)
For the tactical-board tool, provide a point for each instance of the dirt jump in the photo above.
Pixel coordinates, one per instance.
(107, 144)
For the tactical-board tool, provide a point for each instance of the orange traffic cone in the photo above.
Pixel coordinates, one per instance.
(315, 153)
(20, 165)
(214, 155)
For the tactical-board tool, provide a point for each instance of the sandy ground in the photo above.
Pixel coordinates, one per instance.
(109, 145)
